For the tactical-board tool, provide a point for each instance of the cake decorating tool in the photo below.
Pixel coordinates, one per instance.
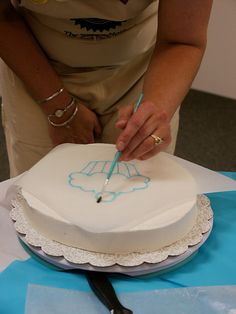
(117, 155)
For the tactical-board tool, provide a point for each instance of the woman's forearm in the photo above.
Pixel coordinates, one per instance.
(170, 74)
(181, 41)
(21, 52)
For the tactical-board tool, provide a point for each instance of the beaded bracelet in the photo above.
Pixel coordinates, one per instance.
(60, 112)
(40, 102)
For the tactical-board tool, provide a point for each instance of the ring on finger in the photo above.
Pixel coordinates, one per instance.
(157, 139)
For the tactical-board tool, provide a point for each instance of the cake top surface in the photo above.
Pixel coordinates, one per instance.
(67, 182)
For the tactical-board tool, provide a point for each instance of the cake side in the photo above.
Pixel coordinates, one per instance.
(146, 237)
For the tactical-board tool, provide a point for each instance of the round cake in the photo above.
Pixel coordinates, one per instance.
(146, 205)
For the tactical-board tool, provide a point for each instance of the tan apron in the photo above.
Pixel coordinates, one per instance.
(101, 50)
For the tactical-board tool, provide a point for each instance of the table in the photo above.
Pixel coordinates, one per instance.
(214, 265)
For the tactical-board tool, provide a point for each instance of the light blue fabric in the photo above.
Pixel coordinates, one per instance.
(231, 175)
(213, 265)
(198, 300)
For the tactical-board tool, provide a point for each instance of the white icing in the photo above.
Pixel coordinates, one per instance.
(158, 212)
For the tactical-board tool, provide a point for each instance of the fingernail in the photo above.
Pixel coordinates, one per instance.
(121, 121)
(120, 145)
(121, 124)
(127, 158)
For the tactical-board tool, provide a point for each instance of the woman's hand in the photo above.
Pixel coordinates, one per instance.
(135, 141)
(81, 130)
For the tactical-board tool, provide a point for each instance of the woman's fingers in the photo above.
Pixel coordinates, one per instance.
(71, 134)
(135, 141)
(157, 148)
(124, 115)
(150, 146)
(147, 128)
(136, 121)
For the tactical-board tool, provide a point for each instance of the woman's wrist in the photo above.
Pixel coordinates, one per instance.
(52, 96)
(61, 109)
(59, 102)
(163, 101)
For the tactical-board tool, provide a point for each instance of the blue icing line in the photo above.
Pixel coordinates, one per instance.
(127, 169)
(113, 194)
(118, 168)
(105, 163)
(86, 167)
(134, 169)
(93, 166)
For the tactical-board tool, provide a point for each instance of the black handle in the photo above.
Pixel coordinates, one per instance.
(104, 290)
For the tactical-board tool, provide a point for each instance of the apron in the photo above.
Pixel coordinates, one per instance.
(100, 49)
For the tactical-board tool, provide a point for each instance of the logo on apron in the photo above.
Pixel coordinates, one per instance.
(39, 1)
(45, 1)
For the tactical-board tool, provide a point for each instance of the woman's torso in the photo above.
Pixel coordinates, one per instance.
(88, 33)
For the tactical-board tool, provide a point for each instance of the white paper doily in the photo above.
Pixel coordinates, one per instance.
(52, 248)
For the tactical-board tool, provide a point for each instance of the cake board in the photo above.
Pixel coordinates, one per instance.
(171, 263)
(133, 264)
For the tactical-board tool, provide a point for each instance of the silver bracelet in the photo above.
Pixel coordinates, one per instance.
(40, 102)
(60, 112)
(65, 122)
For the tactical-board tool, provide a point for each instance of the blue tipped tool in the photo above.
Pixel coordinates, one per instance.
(117, 155)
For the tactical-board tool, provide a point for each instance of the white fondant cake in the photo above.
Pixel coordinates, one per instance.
(147, 204)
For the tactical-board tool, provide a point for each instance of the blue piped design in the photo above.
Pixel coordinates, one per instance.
(96, 167)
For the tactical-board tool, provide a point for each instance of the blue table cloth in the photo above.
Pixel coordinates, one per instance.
(213, 265)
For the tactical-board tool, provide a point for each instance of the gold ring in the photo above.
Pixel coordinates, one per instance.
(157, 140)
